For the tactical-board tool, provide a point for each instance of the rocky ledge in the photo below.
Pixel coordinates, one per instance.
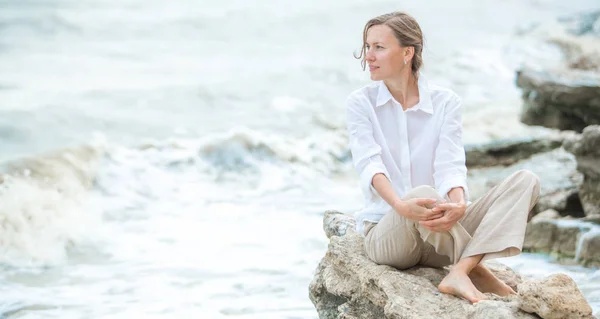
(348, 285)
(565, 95)
(586, 148)
(563, 99)
(558, 174)
(508, 152)
(566, 239)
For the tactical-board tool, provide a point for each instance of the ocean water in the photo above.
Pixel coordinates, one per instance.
(174, 159)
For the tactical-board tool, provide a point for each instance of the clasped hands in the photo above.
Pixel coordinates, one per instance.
(437, 217)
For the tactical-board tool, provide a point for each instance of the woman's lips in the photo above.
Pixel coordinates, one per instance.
(372, 68)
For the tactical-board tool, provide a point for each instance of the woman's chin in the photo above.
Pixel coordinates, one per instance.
(374, 76)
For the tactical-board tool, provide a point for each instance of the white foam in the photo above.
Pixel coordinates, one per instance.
(44, 207)
(225, 225)
(39, 224)
(242, 151)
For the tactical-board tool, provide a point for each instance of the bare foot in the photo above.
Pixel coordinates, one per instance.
(459, 284)
(485, 281)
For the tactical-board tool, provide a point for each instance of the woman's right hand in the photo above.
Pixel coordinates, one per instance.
(417, 209)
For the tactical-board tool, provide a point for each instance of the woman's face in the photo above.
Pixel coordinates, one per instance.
(385, 56)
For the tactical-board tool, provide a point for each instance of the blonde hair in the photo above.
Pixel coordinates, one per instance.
(407, 31)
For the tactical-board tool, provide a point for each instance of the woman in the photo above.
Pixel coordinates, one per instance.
(405, 138)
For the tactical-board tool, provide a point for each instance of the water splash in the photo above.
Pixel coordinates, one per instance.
(43, 211)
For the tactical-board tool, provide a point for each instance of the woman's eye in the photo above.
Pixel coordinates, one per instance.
(379, 47)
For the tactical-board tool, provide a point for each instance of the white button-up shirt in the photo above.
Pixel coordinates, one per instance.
(419, 146)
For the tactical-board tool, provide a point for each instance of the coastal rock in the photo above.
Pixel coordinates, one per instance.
(547, 214)
(586, 148)
(555, 236)
(562, 99)
(558, 175)
(564, 201)
(568, 240)
(589, 248)
(554, 297)
(565, 94)
(508, 152)
(347, 284)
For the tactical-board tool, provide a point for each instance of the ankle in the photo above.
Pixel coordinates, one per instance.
(477, 270)
(459, 271)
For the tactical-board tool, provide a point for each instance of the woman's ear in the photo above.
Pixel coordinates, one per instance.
(409, 53)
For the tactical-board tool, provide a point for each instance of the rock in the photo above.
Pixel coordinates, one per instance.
(558, 177)
(592, 219)
(567, 240)
(558, 237)
(556, 296)
(337, 224)
(508, 152)
(547, 214)
(347, 284)
(564, 94)
(589, 248)
(586, 148)
(566, 100)
(540, 236)
(565, 201)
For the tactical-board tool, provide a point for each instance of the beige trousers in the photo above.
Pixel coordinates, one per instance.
(494, 226)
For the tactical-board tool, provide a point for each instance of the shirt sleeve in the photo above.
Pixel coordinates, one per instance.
(450, 170)
(366, 152)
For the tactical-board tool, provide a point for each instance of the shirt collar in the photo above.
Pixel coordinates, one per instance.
(425, 105)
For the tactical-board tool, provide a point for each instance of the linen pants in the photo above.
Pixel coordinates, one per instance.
(494, 226)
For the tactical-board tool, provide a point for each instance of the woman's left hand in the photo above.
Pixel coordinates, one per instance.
(453, 212)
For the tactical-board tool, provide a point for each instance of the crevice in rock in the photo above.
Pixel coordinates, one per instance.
(573, 207)
(329, 304)
(361, 308)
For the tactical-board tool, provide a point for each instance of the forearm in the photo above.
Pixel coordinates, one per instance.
(457, 195)
(385, 189)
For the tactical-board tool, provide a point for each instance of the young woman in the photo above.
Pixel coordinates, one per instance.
(406, 143)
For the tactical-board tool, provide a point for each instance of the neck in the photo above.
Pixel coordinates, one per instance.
(404, 89)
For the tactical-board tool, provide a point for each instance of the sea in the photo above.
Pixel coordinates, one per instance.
(174, 159)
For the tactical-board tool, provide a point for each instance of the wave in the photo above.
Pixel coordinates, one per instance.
(47, 206)
(242, 150)
(43, 206)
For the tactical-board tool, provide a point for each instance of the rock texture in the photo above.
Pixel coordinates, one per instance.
(554, 297)
(349, 285)
(565, 95)
(566, 100)
(586, 149)
(568, 240)
(558, 174)
(508, 152)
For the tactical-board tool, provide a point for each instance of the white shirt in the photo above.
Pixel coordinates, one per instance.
(419, 146)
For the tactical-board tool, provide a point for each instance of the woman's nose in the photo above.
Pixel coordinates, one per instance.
(370, 56)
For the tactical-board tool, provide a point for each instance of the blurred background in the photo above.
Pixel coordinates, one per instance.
(173, 159)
